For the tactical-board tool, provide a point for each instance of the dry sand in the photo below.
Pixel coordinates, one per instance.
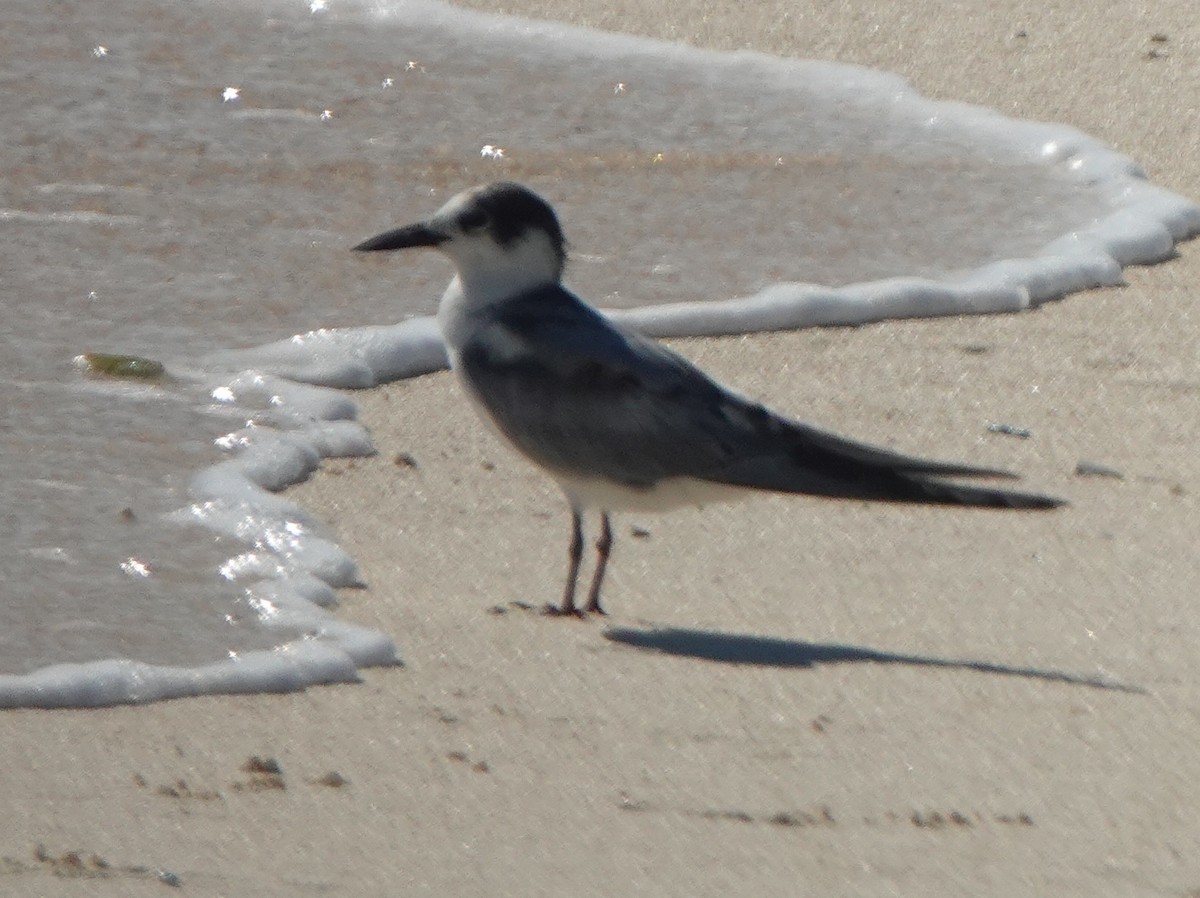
(908, 715)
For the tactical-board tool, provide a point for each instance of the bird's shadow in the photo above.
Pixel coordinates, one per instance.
(764, 651)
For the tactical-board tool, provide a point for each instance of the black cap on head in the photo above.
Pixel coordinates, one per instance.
(505, 210)
(511, 209)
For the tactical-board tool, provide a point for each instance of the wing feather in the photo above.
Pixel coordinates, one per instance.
(581, 396)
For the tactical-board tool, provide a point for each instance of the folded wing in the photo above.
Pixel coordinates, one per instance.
(580, 396)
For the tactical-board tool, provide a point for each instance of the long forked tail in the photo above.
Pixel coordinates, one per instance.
(849, 479)
(943, 493)
(792, 457)
(822, 465)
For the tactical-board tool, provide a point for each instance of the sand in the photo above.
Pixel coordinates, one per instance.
(790, 697)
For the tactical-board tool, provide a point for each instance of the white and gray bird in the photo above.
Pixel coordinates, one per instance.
(619, 421)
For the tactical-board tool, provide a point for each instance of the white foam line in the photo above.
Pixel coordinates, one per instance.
(1143, 228)
(276, 115)
(290, 569)
(77, 217)
(121, 681)
(88, 189)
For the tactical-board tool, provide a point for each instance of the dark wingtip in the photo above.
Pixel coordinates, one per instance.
(985, 498)
(402, 238)
(1037, 503)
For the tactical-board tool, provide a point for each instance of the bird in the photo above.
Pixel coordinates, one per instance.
(619, 421)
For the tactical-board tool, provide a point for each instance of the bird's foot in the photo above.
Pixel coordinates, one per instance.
(565, 611)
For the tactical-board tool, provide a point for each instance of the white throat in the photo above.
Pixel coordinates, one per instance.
(488, 274)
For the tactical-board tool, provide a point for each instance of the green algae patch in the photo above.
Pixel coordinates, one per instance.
(127, 366)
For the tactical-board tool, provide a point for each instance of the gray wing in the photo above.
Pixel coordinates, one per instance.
(581, 396)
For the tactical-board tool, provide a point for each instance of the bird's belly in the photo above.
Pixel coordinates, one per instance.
(665, 495)
(595, 493)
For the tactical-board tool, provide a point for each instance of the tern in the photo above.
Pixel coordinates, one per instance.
(619, 421)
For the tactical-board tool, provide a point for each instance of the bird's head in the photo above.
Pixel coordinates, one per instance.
(494, 234)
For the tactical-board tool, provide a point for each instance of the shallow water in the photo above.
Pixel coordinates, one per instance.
(143, 212)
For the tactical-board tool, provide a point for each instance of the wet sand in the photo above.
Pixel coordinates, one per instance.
(790, 697)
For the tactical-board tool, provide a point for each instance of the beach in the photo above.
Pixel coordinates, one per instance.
(789, 696)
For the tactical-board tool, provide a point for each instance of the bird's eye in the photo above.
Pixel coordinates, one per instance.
(473, 220)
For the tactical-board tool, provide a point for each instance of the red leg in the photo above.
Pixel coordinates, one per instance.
(603, 550)
(574, 553)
